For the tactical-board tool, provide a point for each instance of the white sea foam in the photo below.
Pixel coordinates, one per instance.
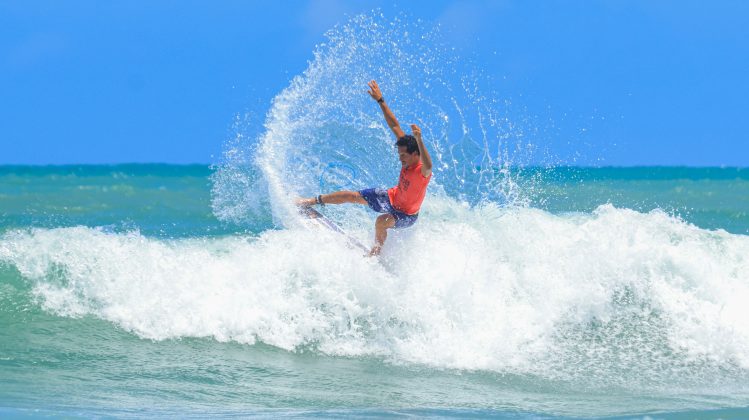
(507, 290)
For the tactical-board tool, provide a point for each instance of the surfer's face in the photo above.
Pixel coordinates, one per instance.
(407, 159)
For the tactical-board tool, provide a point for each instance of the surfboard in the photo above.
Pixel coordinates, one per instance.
(318, 218)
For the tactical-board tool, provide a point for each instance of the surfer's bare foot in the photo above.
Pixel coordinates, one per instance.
(309, 202)
(375, 251)
(305, 202)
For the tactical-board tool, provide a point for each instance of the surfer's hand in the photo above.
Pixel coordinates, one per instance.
(416, 130)
(374, 91)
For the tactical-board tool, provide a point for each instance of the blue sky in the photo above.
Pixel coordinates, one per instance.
(621, 82)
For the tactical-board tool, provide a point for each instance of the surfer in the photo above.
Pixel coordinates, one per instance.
(401, 203)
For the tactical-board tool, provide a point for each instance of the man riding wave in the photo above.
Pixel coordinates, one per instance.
(400, 204)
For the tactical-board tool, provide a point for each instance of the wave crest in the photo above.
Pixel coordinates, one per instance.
(614, 296)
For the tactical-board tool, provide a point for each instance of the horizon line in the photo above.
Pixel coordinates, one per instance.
(534, 166)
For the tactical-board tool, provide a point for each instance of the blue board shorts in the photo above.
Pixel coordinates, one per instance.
(379, 201)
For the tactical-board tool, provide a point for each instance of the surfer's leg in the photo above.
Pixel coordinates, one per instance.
(338, 197)
(383, 223)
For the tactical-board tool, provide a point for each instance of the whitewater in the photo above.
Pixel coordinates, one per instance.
(589, 310)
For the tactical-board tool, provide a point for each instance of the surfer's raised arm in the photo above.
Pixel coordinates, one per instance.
(374, 92)
(426, 160)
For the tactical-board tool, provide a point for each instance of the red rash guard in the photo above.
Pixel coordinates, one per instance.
(411, 189)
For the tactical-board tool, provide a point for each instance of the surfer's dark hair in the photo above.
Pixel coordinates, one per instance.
(409, 142)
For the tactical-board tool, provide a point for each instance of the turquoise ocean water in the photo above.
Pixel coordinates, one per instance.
(532, 286)
(122, 294)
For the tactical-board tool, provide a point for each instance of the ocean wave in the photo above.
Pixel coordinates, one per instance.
(612, 296)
